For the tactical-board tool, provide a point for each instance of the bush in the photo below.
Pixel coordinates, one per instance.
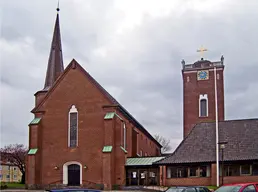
(3, 186)
(116, 187)
(100, 186)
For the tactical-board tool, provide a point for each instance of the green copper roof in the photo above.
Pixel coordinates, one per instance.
(32, 151)
(140, 161)
(109, 115)
(35, 121)
(107, 149)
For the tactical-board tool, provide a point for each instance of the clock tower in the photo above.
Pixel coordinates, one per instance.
(199, 92)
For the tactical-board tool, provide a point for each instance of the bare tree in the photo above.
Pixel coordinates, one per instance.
(164, 142)
(15, 154)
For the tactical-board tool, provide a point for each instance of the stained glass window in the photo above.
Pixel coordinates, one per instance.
(73, 129)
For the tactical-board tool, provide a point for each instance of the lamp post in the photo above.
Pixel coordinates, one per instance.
(222, 147)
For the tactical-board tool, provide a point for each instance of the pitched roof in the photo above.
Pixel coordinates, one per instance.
(74, 63)
(200, 144)
(55, 62)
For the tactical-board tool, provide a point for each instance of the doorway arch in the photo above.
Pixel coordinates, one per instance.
(72, 173)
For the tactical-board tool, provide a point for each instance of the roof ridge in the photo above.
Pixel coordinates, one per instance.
(229, 120)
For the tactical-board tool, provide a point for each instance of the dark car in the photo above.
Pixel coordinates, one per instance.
(188, 189)
(73, 190)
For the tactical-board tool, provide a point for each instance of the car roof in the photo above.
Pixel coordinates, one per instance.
(241, 184)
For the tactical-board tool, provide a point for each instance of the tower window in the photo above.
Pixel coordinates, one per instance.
(73, 127)
(203, 105)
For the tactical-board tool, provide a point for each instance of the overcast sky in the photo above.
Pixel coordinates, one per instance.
(134, 49)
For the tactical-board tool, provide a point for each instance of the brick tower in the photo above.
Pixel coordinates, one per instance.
(199, 92)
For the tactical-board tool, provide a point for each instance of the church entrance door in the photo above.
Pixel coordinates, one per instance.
(74, 175)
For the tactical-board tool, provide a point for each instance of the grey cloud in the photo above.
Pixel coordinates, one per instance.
(142, 68)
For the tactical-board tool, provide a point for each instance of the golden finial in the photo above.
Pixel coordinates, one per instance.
(201, 50)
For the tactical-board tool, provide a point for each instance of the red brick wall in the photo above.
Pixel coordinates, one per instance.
(191, 92)
(238, 179)
(144, 143)
(188, 181)
(33, 136)
(39, 96)
(76, 90)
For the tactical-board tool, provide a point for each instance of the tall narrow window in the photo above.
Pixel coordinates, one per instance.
(124, 137)
(203, 105)
(73, 127)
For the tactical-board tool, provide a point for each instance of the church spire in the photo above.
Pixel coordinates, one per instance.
(55, 62)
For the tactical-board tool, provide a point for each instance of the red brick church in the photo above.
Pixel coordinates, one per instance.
(80, 133)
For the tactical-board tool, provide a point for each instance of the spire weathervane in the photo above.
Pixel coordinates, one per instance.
(58, 7)
(201, 50)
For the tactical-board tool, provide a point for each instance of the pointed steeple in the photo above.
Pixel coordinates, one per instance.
(55, 62)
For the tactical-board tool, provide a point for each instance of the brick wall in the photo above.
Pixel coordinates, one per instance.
(188, 181)
(238, 179)
(191, 91)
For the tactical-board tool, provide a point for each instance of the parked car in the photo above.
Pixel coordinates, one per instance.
(73, 190)
(188, 189)
(239, 187)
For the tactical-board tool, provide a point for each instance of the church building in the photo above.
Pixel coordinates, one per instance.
(81, 135)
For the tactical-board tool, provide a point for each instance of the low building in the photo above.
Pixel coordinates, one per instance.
(194, 160)
(9, 172)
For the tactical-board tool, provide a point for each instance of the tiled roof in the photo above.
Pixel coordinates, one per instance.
(200, 144)
(141, 161)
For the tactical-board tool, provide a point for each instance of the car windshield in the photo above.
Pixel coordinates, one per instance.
(173, 189)
(233, 188)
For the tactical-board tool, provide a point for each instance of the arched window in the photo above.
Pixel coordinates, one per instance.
(203, 106)
(73, 127)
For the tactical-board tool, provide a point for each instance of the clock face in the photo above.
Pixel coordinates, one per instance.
(203, 75)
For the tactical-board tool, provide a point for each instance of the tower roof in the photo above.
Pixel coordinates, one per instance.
(55, 62)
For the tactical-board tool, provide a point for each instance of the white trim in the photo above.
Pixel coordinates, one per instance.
(65, 171)
(202, 97)
(124, 136)
(195, 71)
(73, 109)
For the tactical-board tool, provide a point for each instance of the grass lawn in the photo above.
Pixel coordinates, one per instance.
(13, 185)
